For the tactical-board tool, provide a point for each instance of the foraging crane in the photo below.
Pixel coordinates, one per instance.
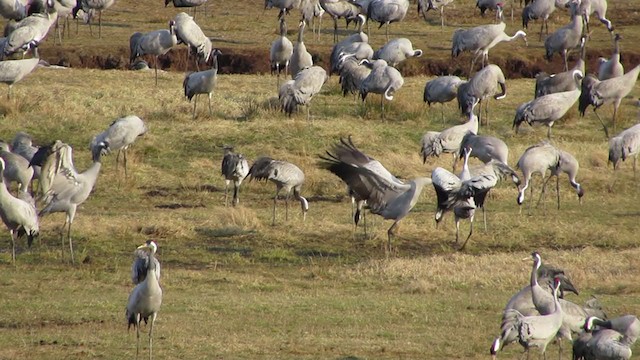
(481, 39)
(625, 145)
(383, 79)
(16, 168)
(547, 109)
(145, 299)
(352, 74)
(495, 5)
(91, 6)
(286, 176)
(12, 71)
(18, 214)
(190, 34)
(338, 49)
(13, 9)
(396, 51)
(567, 37)
(598, 93)
(70, 188)
(489, 81)
(121, 134)
(425, 5)
(340, 9)
(281, 51)
(302, 89)
(612, 67)
(300, 58)
(448, 140)
(387, 11)
(202, 82)
(563, 81)
(627, 325)
(540, 157)
(371, 181)
(234, 168)
(155, 43)
(538, 10)
(441, 90)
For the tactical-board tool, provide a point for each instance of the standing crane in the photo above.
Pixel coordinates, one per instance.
(562, 81)
(155, 43)
(338, 49)
(567, 37)
(145, 299)
(538, 10)
(234, 168)
(495, 5)
(396, 51)
(352, 74)
(387, 11)
(281, 51)
(12, 71)
(202, 82)
(425, 5)
(18, 214)
(488, 82)
(485, 148)
(190, 34)
(89, 7)
(340, 9)
(371, 181)
(302, 89)
(194, 4)
(441, 90)
(625, 145)
(286, 176)
(16, 168)
(121, 134)
(383, 79)
(612, 67)
(300, 58)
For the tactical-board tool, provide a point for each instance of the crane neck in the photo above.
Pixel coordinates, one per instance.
(283, 28)
(301, 33)
(534, 272)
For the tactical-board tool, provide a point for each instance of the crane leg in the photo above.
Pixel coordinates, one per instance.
(549, 132)
(457, 230)
(335, 30)
(155, 65)
(236, 189)
(544, 187)
(441, 18)
(286, 207)
(195, 101)
(390, 234)
(226, 193)
(558, 190)
(153, 320)
(210, 112)
(137, 335)
(604, 127)
(484, 218)
(275, 198)
(382, 106)
(566, 65)
(468, 236)
(73, 260)
(124, 155)
(117, 160)
(615, 112)
(13, 247)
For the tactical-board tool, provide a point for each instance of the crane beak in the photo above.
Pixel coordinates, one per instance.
(144, 246)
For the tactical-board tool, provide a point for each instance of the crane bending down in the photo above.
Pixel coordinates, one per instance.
(286, 176)
(145, 299)
(121, 134)
(371, 181)
(234, 168)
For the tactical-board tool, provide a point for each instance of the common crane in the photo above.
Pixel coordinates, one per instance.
(352, 74)
(338, 49)
(234, 168)
(121, 134)
(190, 34)
(340, 9)
(13, 10)
(286, 176)
(302, 89)
(488, 82)
(12, 71)
(567, 37)
(194, 4)
(495, 5)
(280, 53)
(202, 82)
(300, 58)
(625, 145)
(425, 5)
(16, 168)
(90, 6)
(441, 90)
(541, 9)
(612, 67)
(387, 11)
(562, 81)
(155, 43)
(383, 79)
(371, 181)
(145, 299)
(485, 148)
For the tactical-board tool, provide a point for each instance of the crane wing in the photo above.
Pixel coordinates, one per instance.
(446, 185)
(140, 266)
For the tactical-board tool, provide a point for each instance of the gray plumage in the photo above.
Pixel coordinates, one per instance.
(302, 89)
(607, 339)
(539, 9)
(371, 181)
(190, 34)
(441, 90)
(563, 81)
(121, 134)
(22, 144)
(480, 40)
(358, 50)
(18, 214)
(64, 9)
(340, 9)
(425, 5)
(300, 58)
(13, 9)
(155, 43)
(598, 93)
(286, 176)
(567, 37)
(485, 148)
(16, 168)
(146, 298)
(396, 51)
(352, 74)
(338, 49)
(28, 32)
(283, 5)
(488, 82)
(312, 13)
(234, 168)
(70, 188)
(281, 51)
(542, 157)
(547, 109)
(495, 5)
(90, 7)
(387, 11)
(383, 79)
(141, 263)
(12, 71)
(185, 3)
(599, 7)
(625, 145)
(612, 67)
(202, 82)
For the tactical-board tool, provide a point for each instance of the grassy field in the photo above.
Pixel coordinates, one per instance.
(238, 288)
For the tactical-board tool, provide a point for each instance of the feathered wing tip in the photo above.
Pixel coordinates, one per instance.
(585, 99)
(520, 117)
(261, 168)
(31, 235)
(133, 46)
(429, 144)
(185, 86)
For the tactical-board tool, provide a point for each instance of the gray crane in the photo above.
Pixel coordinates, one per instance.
(13, 10)
(628, 326)
(383, 79)
(18, 214)
(352, 74)
(70, 188)
(22, 144)
(485, 148)
(598, 93)
(547, 109)
(12, 71)
(495, 5)
(121, 134)
(190, 34)
(425, 5)
(567, 37)
(358, 50)
(202, 82)
(300, 58)
(480, 40)
(371, 181)
(340, 9)
(286, 176)
(16, 168)
(283, 5)
(448, 140)
(338, 49)
(146, 298)
(64, 8)
(542, 157)
(541, 9)
(599, 7)
(193, 4)
(488, 82)
(29, 32)
(441, 90)
(302, 89)
(612, 67)
(312, 13)
(280, 53)
(625, 145)
(387, 11)
(601, 344)
(234, 168)
(155, 43)
(396, 51)
(90, 7)
(562, 81)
